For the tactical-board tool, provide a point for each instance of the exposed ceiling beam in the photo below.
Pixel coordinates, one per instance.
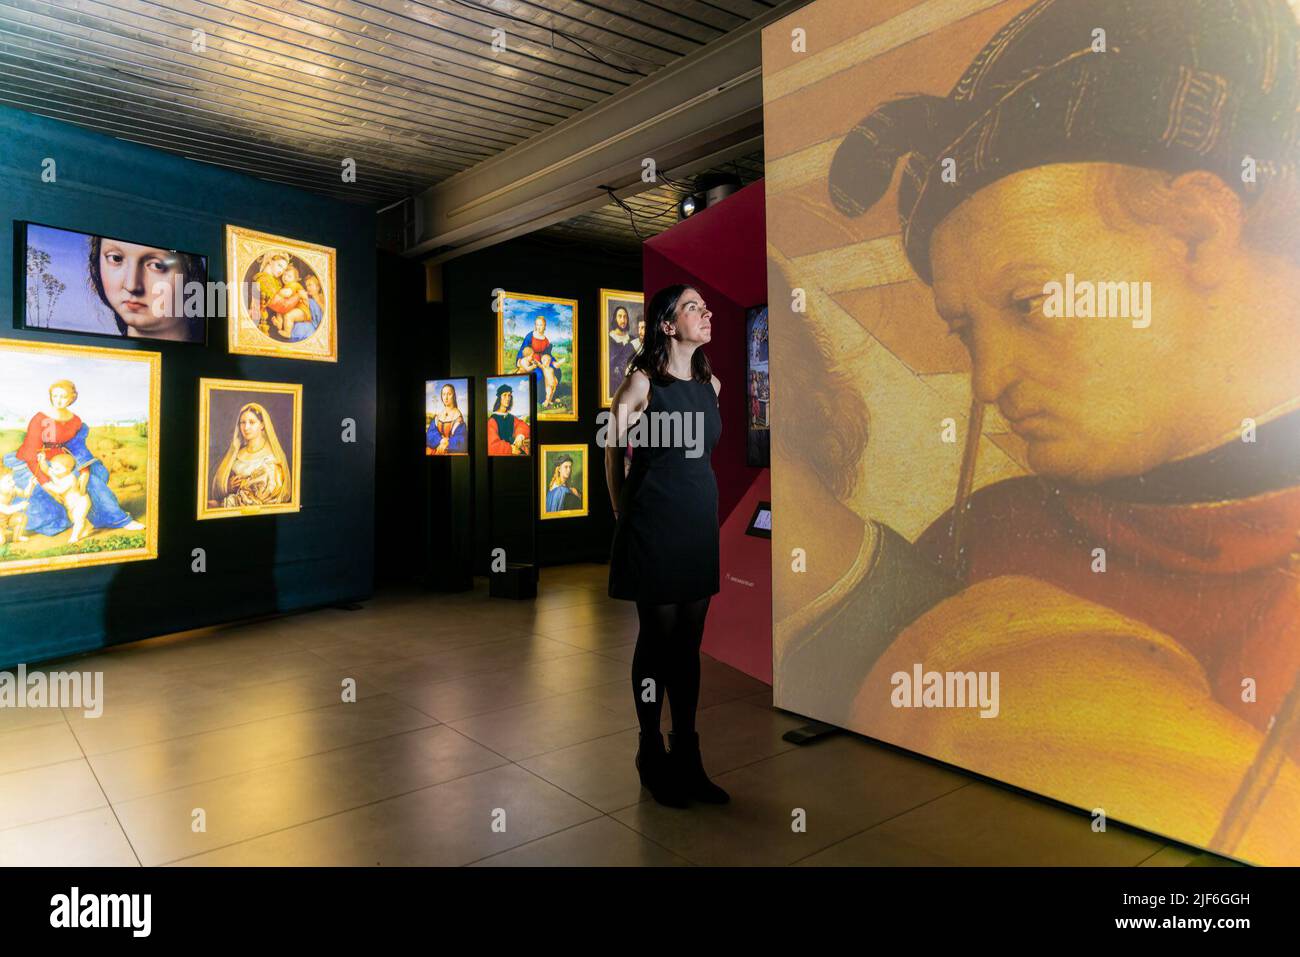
(553, 216)
(704, 109)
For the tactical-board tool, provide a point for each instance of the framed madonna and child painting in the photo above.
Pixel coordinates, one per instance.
(78, 456)
(537, 336)
(1040, 260)
(281, 295)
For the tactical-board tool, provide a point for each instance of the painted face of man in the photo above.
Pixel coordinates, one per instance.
(1093, 398)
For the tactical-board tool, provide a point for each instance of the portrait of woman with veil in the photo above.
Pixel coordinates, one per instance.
(255, 471)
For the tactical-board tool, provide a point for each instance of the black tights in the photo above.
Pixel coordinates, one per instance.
(668, 653)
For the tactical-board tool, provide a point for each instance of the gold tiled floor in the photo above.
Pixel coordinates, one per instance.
(483, 732)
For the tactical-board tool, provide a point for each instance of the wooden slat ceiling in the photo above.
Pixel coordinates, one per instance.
(285, 90)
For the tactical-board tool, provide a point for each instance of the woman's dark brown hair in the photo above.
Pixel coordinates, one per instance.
(655, 350)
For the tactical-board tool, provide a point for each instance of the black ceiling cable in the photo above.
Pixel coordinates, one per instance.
(559, 33)
(673, 184)
(634, 216)
(631, 216)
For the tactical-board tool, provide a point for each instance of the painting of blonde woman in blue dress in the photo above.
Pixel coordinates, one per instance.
(537, 335)
(250, 448)
(78, 456)
(564, 481)
(446, 417)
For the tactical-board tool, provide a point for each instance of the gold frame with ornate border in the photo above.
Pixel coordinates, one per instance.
(152, 511)
(542, 451)
(541, 414)
(243, 246)
(606, 393)
(206, 387)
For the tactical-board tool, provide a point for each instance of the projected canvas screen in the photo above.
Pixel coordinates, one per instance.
(1036, 442)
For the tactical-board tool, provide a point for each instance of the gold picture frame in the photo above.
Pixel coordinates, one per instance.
(107, 453)
(264, 488)
(517, 314)
(548, 463)
(252, 261)
(611, 299)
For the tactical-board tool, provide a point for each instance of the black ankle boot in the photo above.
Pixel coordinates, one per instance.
(656, 775)
(688, 767)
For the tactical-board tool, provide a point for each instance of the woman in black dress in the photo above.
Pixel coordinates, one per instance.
(665, 552)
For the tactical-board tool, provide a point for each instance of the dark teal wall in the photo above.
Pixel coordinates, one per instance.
(255, 565)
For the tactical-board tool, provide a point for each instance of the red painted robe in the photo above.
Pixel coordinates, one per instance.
(1206, 551)
(49, 436)
(498, 445)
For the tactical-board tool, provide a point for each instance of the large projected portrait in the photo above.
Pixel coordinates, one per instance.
(78, 456)
(100, 286)
(1031, 267)
(250, 448)
(446, 417)
(509, 422)
(537, 335)
(282, 297)
(620, 340)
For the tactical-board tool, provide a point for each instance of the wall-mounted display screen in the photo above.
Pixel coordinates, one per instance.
(105, 286)
(760, 523)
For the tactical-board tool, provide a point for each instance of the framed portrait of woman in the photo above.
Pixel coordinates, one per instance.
(280, 297)
(623, 317)
(564, 481)
(537, 335)
(100, 286)
(78, 456)
(250, 448)
(447, 419)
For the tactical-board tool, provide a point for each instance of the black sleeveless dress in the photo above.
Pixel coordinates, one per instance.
(666, 544)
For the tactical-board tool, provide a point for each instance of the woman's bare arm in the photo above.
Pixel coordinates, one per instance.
(631, 398)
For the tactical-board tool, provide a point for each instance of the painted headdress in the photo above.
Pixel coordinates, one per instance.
(1175, 85)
